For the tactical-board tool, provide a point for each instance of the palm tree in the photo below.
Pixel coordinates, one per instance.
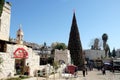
(104, 38)
(105, 47)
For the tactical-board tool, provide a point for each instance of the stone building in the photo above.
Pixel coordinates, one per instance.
(118, 53)
(62, 55)
(94, 54)
(95, 57)
(5, 22)
(15, 56)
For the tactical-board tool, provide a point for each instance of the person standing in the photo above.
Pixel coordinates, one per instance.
(18, 68)
(27, 70)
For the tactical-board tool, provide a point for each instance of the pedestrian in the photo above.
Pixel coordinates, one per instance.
(76, 69)
(103, 71)
(86, 70)
(27, 70)
(18, 68)
(113, 69)
(83, 72)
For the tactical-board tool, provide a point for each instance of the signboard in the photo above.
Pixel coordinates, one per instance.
(71, 69)
(20, 53)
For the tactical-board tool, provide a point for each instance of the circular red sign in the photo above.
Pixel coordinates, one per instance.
(20, 53)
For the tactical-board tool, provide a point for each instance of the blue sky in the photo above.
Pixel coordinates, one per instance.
(50, 20)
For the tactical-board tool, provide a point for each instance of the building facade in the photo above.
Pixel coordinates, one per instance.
(5, 22)
(15, 57)
(94, 54)
(118, 53)
(62, 55)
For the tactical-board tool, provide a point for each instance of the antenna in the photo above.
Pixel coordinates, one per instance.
(20, 26)
(73, 10)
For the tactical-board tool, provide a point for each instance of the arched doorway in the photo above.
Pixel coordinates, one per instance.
(20, 56)
(19, 66)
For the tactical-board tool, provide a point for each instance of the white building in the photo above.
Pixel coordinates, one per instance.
(5, 22)
(94, 54)
(118, 53)
(16, 53)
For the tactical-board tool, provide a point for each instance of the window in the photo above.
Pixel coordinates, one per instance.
(2, 46)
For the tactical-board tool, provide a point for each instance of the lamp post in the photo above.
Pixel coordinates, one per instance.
(54, 73)
(47, 71)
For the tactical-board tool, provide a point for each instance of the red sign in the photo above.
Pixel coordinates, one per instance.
(20, 53)
(71, 68)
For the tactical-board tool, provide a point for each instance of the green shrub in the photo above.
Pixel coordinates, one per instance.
(1, 60)
(14, 79)
(18, 78)
(23, 77)
(55, 65)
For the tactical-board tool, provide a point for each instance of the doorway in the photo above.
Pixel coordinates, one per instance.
(19, 66)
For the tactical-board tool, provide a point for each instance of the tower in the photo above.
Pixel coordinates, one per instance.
(19, 36)
(5, 22)
(74, 44)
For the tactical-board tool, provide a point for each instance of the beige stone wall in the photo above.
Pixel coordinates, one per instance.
(7, 67)
(5, 22)
(63, 55)
(33, 61)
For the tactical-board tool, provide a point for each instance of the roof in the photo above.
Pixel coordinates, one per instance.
(9, 42)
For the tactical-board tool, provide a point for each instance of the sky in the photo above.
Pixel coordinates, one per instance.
(50, 20)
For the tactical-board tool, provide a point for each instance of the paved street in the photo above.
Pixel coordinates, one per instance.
(92, 75)
(97, 75)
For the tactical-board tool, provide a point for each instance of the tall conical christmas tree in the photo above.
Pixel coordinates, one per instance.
(74, 45)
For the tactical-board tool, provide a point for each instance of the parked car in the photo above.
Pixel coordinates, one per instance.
(116, 64)
(108, 66)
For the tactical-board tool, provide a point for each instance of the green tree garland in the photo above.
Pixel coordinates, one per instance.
(1, 60)
(1, 6)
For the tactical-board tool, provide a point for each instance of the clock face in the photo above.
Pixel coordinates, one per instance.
(20, 53)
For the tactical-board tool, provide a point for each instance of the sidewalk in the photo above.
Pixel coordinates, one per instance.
(92, 75)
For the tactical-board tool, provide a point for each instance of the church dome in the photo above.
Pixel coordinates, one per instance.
(19, 36)
(20, 32)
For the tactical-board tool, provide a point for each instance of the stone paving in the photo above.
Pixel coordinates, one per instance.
(92, 75)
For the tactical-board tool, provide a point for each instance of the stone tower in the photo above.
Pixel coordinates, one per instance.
(5, 22)
(19, 36)
(74, 45)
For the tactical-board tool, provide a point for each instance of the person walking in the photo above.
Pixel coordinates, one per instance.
(76, 69)
(86, 70)
(103, 70)
(83, 72)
